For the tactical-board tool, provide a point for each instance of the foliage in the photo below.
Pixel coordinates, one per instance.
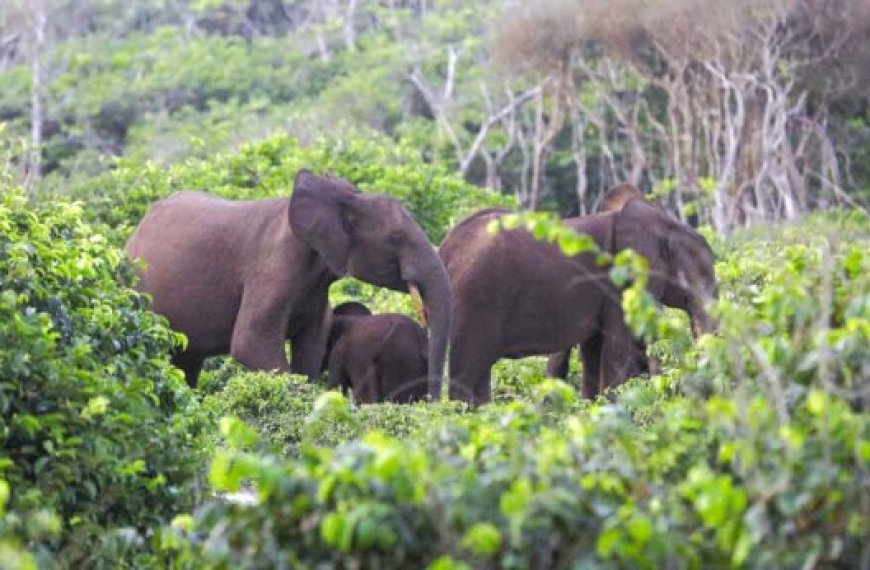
(98, 431)
(699, 486)
(289, 412)
(111, 88)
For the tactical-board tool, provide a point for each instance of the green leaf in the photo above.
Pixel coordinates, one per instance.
(447, 563)
(640, 528)
(482, 539)
(607, 541)
(332, 529)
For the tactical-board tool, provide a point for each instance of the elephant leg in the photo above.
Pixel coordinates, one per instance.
(307, 348)
(646, 364)
(308, 344)
(474, 349)
(260, 330)
(483, 388)
(471, 360)
(643, 363)
(619, 354)
(337, 379)
(591, 353)
(189, 364)
(558, 364)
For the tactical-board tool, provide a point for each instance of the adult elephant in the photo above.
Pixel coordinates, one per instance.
(612, 201)
(241, 277)
(515, 296)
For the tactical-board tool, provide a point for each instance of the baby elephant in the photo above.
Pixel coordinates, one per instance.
(383, 358)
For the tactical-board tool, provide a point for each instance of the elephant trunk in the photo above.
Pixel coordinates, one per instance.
(697, 327)
(423, 269)
(701, 321)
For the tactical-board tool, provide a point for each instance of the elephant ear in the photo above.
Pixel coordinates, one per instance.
(318, 215)
(642, 227)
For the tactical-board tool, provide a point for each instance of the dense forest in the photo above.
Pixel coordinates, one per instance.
(747, 446)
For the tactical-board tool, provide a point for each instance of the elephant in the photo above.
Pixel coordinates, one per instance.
(241, 277)
(515, 296)
(383, 358)
(612, 201)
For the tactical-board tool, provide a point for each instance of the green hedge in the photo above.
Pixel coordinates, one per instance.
(99, 433)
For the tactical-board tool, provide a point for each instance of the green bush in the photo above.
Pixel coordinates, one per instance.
(289, 412)
(795, 315)
(97, 429)
(275, 405)
(524, 485)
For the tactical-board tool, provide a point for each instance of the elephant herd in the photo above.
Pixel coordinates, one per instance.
(244, 277)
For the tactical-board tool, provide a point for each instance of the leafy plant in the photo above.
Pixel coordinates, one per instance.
(98, 431)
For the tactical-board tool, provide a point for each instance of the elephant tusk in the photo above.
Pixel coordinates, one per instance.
(418, 303)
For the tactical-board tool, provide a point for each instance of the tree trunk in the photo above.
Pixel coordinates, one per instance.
(578, 153)
(36, 111)
(349, 28)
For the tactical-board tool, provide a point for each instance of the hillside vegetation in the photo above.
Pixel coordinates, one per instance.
(750, 447)
(731, 113)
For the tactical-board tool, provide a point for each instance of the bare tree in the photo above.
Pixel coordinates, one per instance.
(29, 20)
(441, 102)
(717, 101)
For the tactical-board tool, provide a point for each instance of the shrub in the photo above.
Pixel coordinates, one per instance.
(289, 412)
(704, 484)
(97, 429)
(795, 316)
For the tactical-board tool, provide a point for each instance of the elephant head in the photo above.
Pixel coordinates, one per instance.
(373, 238)
(681, 263)
(351, 309)
(618, 196)
(340, 316)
